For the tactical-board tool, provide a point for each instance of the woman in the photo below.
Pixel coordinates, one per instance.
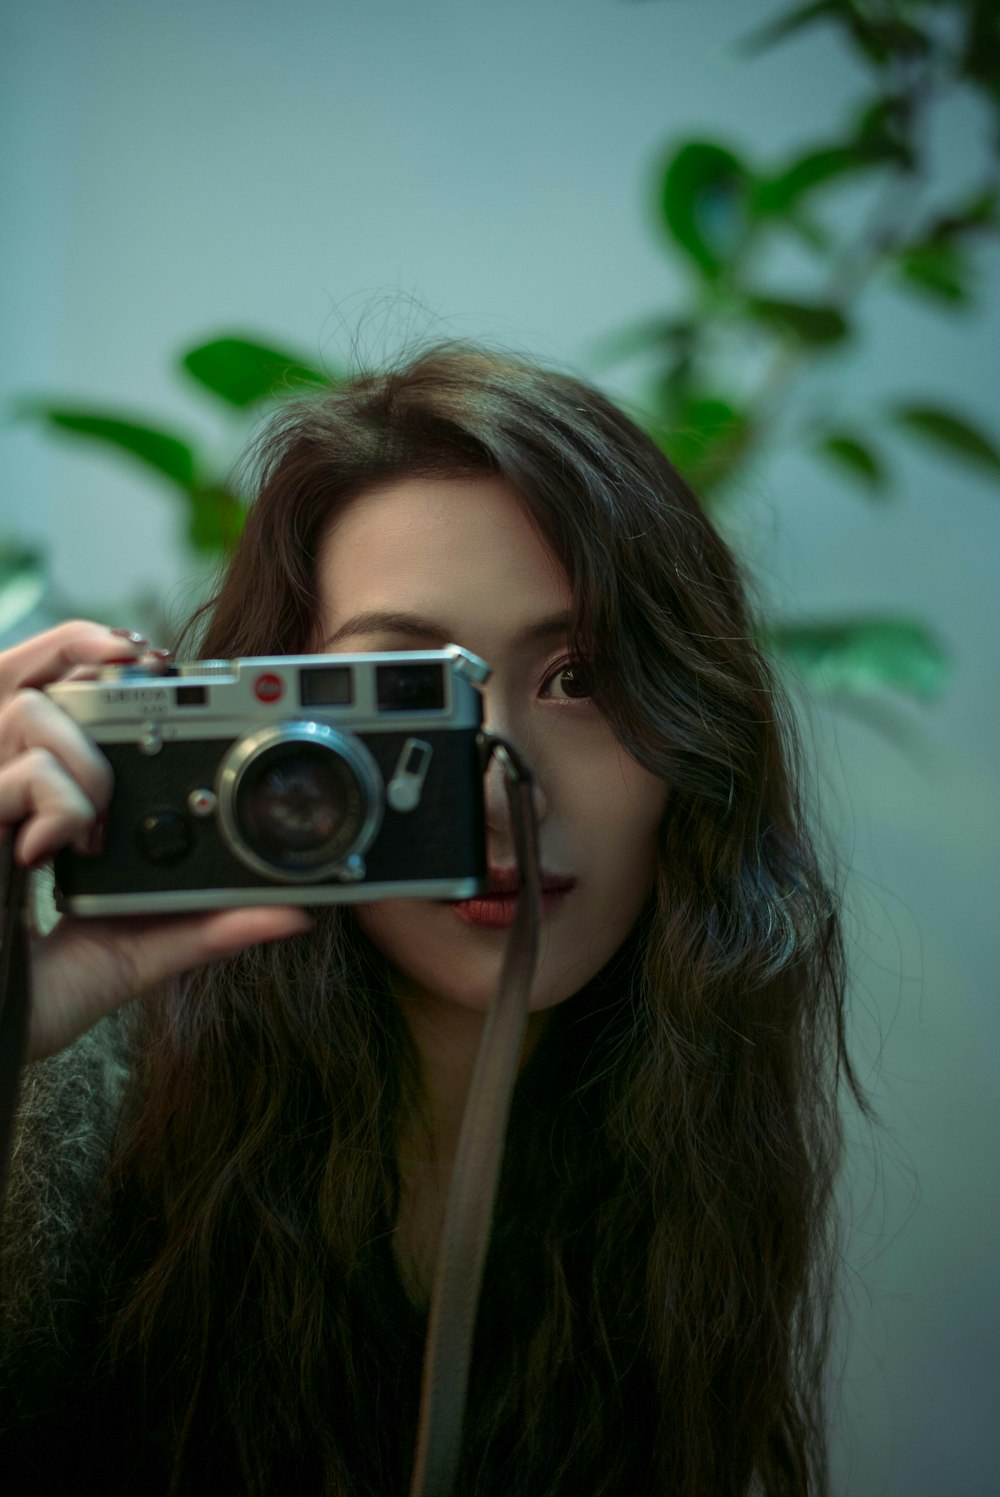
(242, 1303)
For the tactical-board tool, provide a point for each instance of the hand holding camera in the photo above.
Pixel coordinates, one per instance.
(55, 789)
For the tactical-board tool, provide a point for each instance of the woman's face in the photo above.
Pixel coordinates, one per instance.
(463, 553)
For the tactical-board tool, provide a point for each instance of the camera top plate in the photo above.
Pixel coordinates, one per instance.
(358, 692)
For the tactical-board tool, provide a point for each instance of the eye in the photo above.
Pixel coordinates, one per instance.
(575, 680)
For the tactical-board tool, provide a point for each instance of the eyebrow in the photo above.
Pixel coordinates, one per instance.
(381, 621)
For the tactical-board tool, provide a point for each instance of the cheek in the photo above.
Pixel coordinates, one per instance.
(614, 815)
(624, 842)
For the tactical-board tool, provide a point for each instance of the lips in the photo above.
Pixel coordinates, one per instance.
(507, 881)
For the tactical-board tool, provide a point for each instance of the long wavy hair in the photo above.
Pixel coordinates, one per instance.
(657, 1301)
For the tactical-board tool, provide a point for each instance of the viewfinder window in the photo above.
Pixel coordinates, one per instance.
(325, 686)
(410, 688)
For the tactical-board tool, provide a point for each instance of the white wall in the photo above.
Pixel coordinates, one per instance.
(328, 172)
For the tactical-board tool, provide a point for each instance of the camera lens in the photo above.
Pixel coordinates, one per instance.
(297, 801)
(294, 804)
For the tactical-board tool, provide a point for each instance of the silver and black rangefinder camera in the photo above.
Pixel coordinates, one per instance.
(288, 779)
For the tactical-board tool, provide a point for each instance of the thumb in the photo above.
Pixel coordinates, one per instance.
(87, 968)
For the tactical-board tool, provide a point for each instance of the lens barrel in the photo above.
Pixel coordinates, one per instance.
(298, 799)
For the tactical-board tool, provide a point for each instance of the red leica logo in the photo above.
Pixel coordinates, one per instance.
(268, 688)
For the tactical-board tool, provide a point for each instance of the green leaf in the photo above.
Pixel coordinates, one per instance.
(877, 39)
(22, 582)
(774, 196)
(973, 216)
(704, 202)
(885, 39)
(981, 59)
(704, 436)
(18, 556)
(950, 433)
(158, 449)
(650, 334)
(884, 129)
(243, 373)
(855, 457)
(861, 656)
(811, 322)
(787, 25)
(937, 269)
(215, 519)
(981, 210)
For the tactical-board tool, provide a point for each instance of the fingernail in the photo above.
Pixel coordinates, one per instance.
(130, 635)
(161, 654)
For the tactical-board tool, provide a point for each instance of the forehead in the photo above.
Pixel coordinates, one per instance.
(460, 547)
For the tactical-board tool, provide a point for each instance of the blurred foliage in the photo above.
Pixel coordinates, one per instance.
(727, 357)
(238, 373)
(22, 581)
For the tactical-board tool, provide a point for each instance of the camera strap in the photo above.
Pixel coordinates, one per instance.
(476, 1173)
(15, 1003)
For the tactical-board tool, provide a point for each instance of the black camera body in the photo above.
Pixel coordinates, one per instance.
(305, 779)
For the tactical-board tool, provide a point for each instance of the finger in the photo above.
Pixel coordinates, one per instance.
(155, 661)
(35, 790)
(49, 656)
(87, 968)
(163, 948)
(30, 720)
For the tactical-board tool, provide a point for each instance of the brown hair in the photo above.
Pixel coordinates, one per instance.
(656, 1309)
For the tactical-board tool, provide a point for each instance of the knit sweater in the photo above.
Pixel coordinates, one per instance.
(66, 1117)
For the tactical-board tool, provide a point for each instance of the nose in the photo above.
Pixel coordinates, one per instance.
(495, 789)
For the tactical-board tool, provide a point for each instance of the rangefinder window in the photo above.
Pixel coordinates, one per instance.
(326, 686)
(192, 696)
(410, 688)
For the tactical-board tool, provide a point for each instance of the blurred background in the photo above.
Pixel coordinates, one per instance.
(781, 256)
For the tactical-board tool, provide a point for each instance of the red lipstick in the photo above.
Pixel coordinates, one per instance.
(497, 909)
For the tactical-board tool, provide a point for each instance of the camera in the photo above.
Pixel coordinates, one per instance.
(288, 779)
